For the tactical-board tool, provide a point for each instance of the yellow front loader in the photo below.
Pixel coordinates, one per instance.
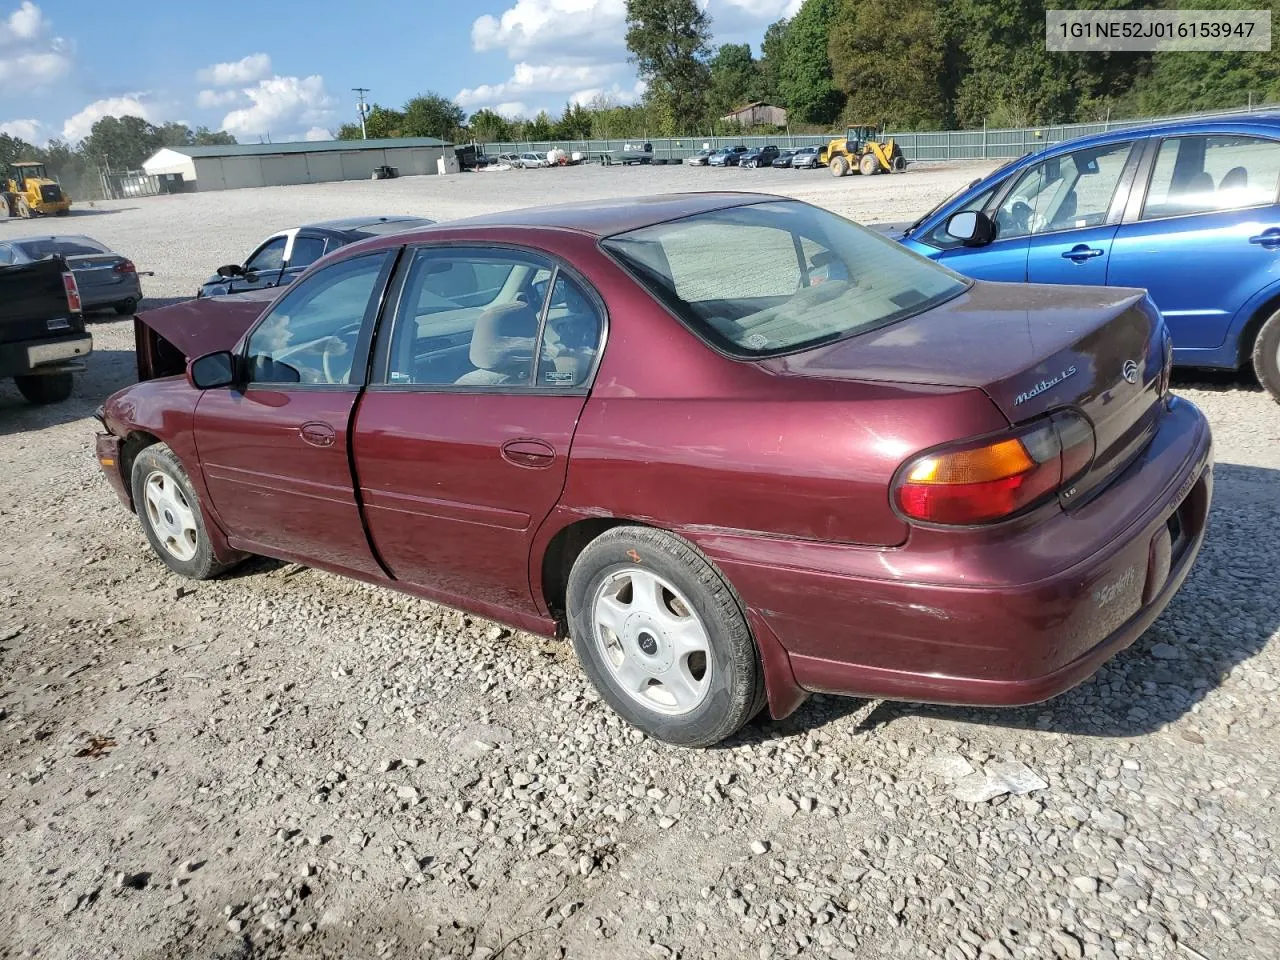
(30, 193)
(861, 150)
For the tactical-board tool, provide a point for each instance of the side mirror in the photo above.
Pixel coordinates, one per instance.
(971, 227)
(213, 370)
(230, 270)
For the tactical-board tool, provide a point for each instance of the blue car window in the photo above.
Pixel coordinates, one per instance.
(1064, 193)
(938, 236)
(1209, 173)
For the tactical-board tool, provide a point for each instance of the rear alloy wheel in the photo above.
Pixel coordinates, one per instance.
(839, 166)
(170, 513)
(1266, 356)
(42, 388)
(868, 165)
(663, 637)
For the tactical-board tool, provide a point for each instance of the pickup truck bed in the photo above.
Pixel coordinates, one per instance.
(42, 336)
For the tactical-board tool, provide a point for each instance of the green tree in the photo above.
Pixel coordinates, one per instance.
(889, 62)
(204, 137)
(805, 80)
(773, 51)
(13, 149)
(574, 123)
(669, 43)
(488, 126)
(540, 127)
(121, 143)
(431, 115)
(735, 78)
(173, 134)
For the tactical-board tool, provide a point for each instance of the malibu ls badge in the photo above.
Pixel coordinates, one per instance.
(1044, 385)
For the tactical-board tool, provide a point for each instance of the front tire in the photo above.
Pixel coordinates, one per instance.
(171, 516)
(839, 166)
(1266, 356)
(869, 165)
(663, 637)
(43, 388)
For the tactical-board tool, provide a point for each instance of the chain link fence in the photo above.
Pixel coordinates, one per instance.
(982, 144)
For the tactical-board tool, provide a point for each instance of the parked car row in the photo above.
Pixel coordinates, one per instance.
(801, 158)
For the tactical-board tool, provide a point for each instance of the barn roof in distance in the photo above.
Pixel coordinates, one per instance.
(307, 146)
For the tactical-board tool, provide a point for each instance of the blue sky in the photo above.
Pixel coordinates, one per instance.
(285, 69)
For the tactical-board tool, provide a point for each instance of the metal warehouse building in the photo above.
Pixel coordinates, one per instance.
(278, 164)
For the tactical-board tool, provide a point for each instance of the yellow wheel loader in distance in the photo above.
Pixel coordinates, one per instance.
(30, 193)
(861, 150)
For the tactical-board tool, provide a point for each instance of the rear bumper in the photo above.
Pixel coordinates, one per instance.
(49, 355)
(110, 296)
(1098, 578)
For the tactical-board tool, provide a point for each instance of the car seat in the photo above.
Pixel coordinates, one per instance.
(502, 345)
(1237, 178)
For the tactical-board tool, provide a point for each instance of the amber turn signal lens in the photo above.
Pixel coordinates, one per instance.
(1008, 458)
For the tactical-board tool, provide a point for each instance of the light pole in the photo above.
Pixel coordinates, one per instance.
(361, 91)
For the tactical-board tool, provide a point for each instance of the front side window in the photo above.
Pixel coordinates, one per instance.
(773, 277)
(311, 336)
(269, 256)
(1205, 174)
(1063, 193)
(492, 317)
(938, 236)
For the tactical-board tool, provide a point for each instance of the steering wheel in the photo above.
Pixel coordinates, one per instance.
(337, 346)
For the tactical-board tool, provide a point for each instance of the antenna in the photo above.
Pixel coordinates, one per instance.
(364, 110)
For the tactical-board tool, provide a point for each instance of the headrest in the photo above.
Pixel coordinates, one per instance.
(1236, 179)
(504, 337)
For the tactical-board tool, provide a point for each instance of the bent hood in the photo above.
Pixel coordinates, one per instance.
(168, 337)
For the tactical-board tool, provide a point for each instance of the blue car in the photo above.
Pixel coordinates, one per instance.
(1189, 210)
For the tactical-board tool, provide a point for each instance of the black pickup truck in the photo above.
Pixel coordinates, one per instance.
(42, 337)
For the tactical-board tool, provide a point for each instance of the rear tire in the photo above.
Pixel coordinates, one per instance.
(42, 388)
(171, 516)
(681, 665)
(839, 166)
(869, 165)
(126, 307)
(1266, 356)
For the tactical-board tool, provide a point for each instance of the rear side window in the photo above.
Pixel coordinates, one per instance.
(770, 278)
(306, 251)
(1204, 174)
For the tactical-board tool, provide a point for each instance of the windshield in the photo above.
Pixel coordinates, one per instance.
(799, 276)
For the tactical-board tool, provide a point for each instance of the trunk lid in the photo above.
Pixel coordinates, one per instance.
(1031, 348)
(96, 270)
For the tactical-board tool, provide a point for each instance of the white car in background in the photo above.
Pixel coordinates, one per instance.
(532, 161)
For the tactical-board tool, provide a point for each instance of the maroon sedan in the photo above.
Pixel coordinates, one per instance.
(737, 447)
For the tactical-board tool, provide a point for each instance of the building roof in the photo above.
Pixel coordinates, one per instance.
(307, 146)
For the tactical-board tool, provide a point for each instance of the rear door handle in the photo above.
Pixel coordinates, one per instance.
(529, 453)
(1267, 238)
(1082, 252)
(317, 434)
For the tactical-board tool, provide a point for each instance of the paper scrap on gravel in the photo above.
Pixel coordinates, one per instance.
(996, 780)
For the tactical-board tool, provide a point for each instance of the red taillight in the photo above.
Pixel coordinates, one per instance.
(125, 267)
(995, 478)
(73, 292)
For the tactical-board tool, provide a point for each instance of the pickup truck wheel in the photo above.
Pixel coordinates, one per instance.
(42, 388)
(663, 637)
(170, 513)
(1266, 356)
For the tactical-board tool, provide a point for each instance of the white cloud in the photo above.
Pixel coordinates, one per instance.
(615, 93)
(281, 106)
(250, 69)
(512, 109)
(317, 133)
(77, 127)
(578, 47)
(32, 131)
(211, 99)
(30, 56)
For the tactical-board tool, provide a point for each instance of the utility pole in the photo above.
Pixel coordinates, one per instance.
(360, 92)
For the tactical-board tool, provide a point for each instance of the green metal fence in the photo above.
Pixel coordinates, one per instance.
(942, 145)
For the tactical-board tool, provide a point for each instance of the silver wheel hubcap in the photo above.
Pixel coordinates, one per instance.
(652, 642)
(171, 517)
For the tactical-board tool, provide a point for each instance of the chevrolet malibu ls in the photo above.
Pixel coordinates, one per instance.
(827, 464)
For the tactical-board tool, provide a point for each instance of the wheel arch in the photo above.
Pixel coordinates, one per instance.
(1257, 317)
(134, 443)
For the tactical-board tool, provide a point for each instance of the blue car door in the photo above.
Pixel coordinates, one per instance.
(1077, 212)
(1206, 240)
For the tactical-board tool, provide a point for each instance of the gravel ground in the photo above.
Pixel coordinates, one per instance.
(285, 763)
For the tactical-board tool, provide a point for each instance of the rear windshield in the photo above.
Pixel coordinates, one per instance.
(781, 276)
(389, 226)
(62, 247)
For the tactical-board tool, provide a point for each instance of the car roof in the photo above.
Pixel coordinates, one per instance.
(355, 223)
(1268, 122)
(606, 218)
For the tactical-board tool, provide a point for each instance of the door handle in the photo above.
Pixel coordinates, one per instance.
(1081, 252)
(317, 434)
(1267, 238)
(529, 453)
